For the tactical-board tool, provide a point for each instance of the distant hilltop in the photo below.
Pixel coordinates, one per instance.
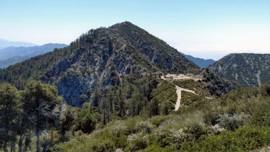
(246, 69)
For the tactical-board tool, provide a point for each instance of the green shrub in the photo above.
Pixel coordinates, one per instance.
(262, 116)
(232, 121)
(87, 119)
(195, 131)
(120, 140)
(163, 138)
(104, 146)
(244, 139)
(144, 126)
(158, 120)
(211, 117)
(171, 138)
(156, 148)
(136, 142)
(265, 90)
(131, 123)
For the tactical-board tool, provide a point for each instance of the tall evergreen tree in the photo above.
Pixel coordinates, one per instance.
(39, 103)
(67, 121)
(87, 119)
(8, 115)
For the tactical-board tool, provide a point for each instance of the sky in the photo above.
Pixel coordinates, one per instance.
(202, 28)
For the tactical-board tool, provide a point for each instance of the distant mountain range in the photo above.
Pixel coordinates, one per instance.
(7, 43)
(246, 69)
(202, 63)
(13, 55)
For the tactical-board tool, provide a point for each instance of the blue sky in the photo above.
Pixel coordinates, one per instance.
(205, 28)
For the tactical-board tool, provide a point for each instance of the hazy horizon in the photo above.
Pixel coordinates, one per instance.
(203, 29)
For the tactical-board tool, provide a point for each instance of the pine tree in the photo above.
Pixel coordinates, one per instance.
(39, 103)
(87, 119)
(66, 122)
(8, 115)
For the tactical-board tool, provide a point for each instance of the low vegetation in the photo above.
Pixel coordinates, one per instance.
(238, 121)
(138, 116)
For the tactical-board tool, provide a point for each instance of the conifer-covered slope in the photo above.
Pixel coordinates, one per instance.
(99, 59)
(244, 69)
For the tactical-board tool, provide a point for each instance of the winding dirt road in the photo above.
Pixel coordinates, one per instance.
(170, 77)
(179, 96)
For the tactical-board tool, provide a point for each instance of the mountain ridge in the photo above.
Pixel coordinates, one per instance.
(7, 43)
(201, 62)
(246, 69)
(100, 59)
(13, 55)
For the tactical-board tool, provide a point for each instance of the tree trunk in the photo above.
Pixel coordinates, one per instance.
(5, 147)
(38, 140)
(27, 143)
(20, 144)
(52, 136)
(13, 147)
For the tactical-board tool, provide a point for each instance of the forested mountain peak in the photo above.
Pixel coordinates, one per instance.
(101, 58)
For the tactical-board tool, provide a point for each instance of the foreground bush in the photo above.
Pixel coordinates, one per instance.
(244, 139)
